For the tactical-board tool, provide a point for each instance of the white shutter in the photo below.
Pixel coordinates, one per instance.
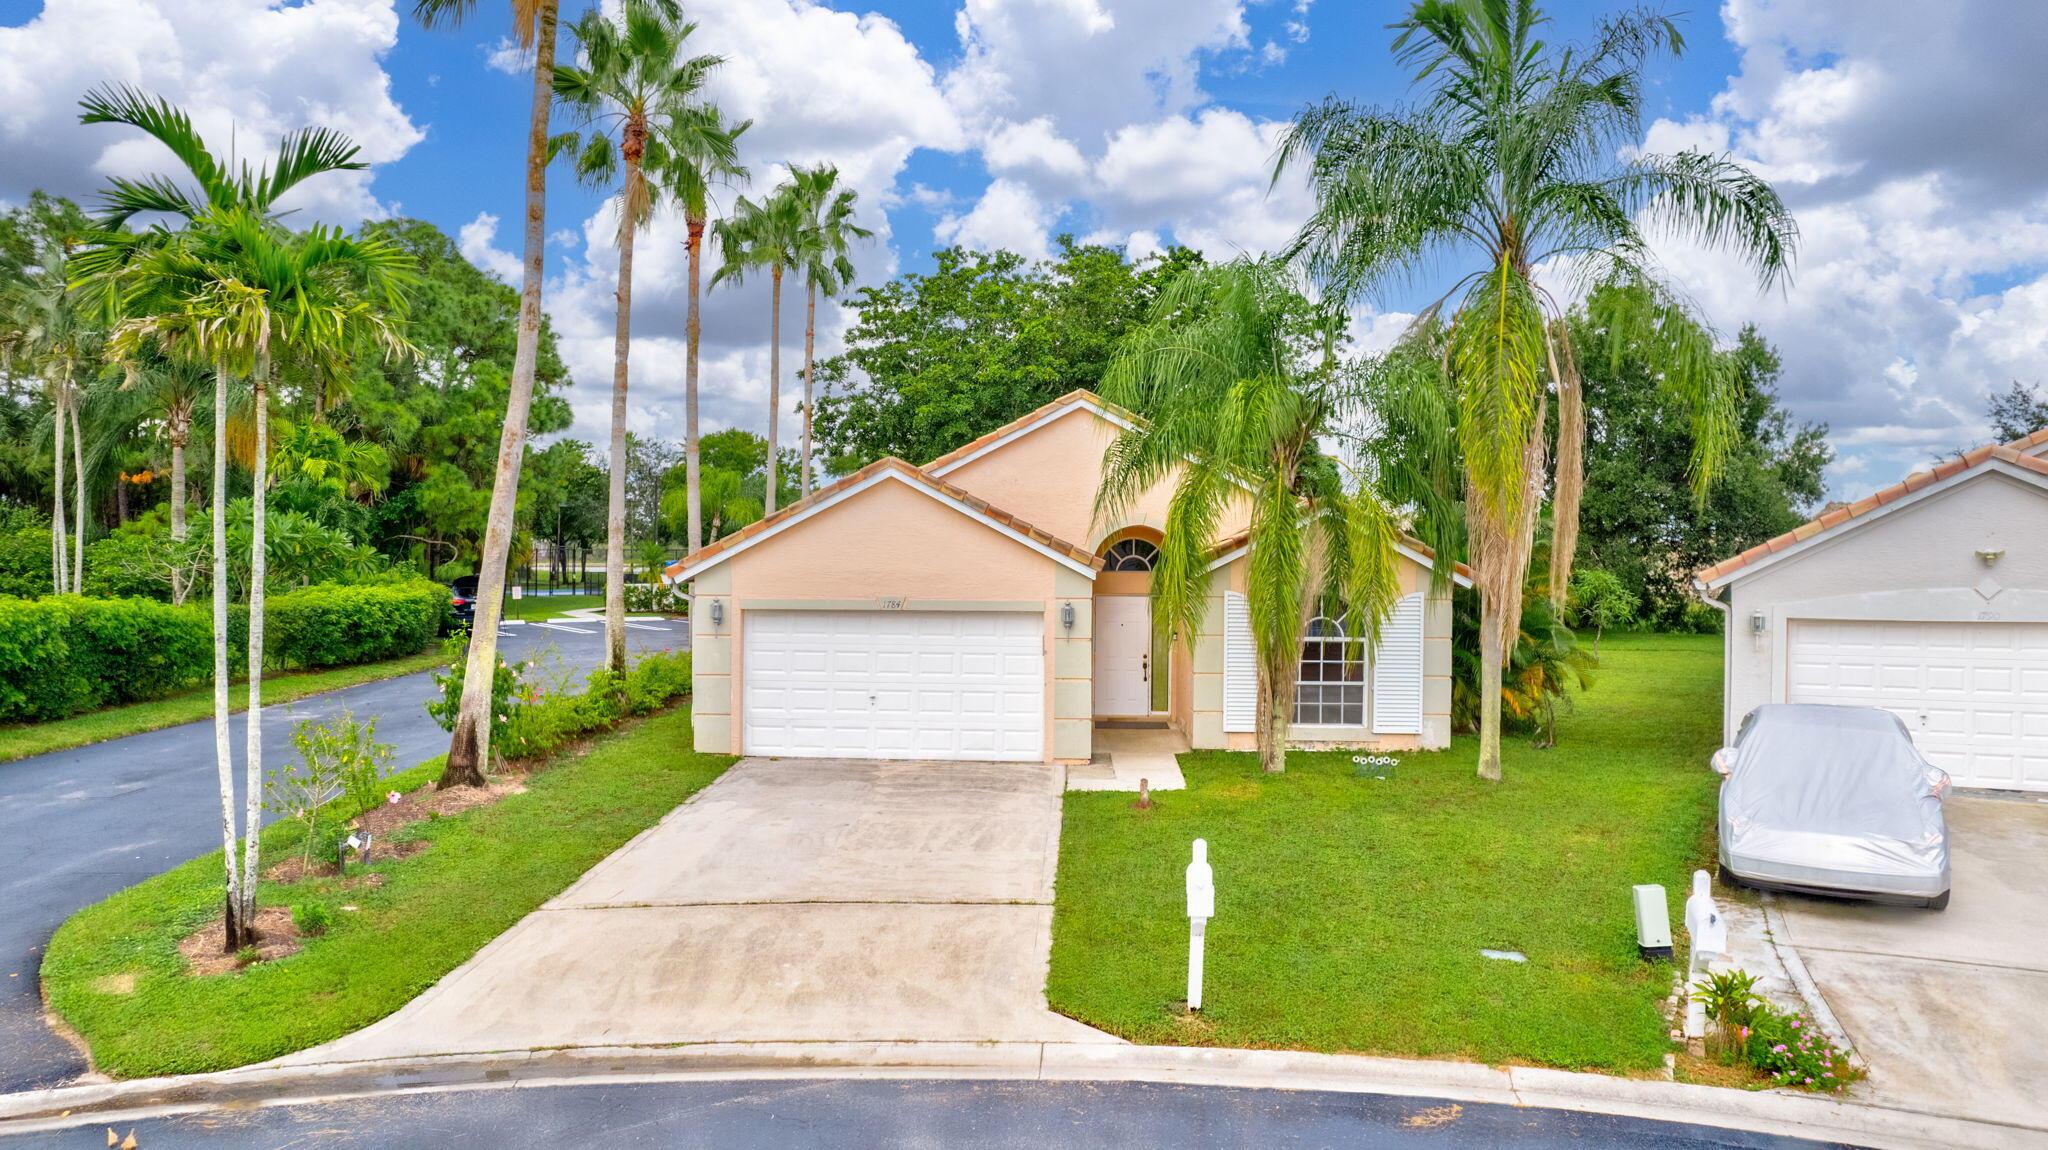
(1240, 666)
(1397, 670)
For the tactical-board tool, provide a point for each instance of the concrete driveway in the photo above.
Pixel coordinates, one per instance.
(792, 900)
(1947, 1005)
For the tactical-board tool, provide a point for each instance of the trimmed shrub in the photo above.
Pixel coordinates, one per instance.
(331, 625)
(65, 654)
(24, 552)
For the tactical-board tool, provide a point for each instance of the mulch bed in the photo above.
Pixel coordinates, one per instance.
(275, 938)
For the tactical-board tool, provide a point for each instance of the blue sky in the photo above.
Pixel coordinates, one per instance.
(1922, 283)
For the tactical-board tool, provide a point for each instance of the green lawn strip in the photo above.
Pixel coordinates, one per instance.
(549, 606)
(1351, 912)
(19, 742)
(485, 869)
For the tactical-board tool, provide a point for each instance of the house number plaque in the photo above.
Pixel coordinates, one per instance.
(891, 602)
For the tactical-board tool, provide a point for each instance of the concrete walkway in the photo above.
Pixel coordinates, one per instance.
(1124, 757)
(792, 900)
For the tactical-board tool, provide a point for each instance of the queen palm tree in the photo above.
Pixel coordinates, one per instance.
(703, 154)
(1520, 156)
(632, 81)
(767, 235)
(828, 234)
(469, 746)
(1237, 377)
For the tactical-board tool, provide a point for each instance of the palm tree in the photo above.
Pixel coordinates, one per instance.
(767, 235)
(469, 746)
(632, 81)
(703, 153)
(45, 324)
(1519, 156)
(1238, 379)
(169, 392)
(828, 232)
(233, 289)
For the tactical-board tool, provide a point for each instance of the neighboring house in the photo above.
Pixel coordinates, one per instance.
(1929, 599)
(973, 609)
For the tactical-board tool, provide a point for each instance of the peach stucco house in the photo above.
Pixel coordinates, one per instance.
(972, 608)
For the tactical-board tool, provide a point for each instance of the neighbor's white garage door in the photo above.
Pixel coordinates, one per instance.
(895, 684)
(1975, 695)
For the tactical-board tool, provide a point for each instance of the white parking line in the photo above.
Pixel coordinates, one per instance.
(559, 627)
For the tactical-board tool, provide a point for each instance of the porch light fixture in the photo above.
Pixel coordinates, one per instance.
(1067, 616)
(718, 612)
(1990, 557)
(1756, 622)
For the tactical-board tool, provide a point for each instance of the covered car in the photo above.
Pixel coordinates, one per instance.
(1833, 800)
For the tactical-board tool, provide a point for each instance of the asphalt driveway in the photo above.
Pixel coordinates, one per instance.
(1946, 1005)
(791, 900)
(78, 825)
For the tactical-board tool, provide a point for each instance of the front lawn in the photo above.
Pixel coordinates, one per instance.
(549, 606)
(1350, 912)
(115, 975)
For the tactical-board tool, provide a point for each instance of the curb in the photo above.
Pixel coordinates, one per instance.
(1797, 1115)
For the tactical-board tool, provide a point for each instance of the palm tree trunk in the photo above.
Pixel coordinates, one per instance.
(1489, 687)
(259, 571)
(693, 494)
(810, 343)
(60, 567)
(615, 520)
(223, 753)
(1571, 461)
(78, 528)
(470, 747)
(774, 379)
(181, 433)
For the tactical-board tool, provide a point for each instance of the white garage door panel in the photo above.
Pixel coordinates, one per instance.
(895, 685)
(1975, 695)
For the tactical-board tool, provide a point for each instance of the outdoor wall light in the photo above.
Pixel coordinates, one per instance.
(718, 612)
(1990, 557)
(1067, 616)
(1756, 622)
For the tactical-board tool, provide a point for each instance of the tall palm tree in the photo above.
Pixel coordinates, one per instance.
(231, 288)
(703, 154)
(170, 393)
(632, 80)
(44, 323)
(828, 234)
(1519, 155)
(469, 746)
(767, 235)
(1237, 377)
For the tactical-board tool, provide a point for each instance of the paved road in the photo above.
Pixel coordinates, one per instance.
(78, 825)
(846, 1114)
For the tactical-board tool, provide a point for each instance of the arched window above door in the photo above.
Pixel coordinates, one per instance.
(1130, 555)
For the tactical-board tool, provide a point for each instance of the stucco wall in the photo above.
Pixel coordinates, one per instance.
(1916, 563)
(1205, 726)
(889, 541)
(1049, 479)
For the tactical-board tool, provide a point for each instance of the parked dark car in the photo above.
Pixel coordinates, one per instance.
(464, 604)
(1835, 801)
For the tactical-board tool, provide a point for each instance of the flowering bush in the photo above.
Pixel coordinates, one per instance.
(507, 695)
(1782, 1044)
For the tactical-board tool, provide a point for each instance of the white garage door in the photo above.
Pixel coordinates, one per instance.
(1975, 695)
(895, 684)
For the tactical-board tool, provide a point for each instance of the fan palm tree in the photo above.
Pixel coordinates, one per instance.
(633, 79)
(828, 234)
(469, 746)
(1238, 379)
(1518, 156)
(703, 154)
(767, 235)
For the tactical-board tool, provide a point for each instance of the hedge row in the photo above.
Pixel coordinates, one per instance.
(64, 654)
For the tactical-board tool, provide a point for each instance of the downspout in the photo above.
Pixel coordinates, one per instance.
(1701, 593)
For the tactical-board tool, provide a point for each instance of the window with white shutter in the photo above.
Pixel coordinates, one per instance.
(1240, 666)
(1397, 670)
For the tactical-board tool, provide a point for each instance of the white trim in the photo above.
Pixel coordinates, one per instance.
(1988, 467)
(1418, 557)
(888, 473)
(1034, 425)
(1240, 666)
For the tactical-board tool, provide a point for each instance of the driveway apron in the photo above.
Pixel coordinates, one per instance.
(792, 900)
(1946, 1006)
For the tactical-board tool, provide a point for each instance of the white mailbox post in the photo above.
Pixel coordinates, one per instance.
(1201, 908)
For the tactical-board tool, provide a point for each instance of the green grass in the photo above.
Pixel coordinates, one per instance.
(485, 869)
(549, 606)
(21, 741)
(1350, 913)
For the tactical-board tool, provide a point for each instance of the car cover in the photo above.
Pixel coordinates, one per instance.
(1834, 798)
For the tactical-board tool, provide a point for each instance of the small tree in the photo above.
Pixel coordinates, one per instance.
(1601, 602)
(337, 757)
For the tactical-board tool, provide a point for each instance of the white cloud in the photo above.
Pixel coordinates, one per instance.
(478, 242)
(1922, 281)
(247, 71)
(508, 57)
(1008, 216)
(1033, 148)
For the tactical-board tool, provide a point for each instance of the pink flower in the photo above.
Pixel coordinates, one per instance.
(1795, 1024)
(392, 796)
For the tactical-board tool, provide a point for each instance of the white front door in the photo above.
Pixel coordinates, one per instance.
(1123, 655)
(895, 685)
(1974, 695)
